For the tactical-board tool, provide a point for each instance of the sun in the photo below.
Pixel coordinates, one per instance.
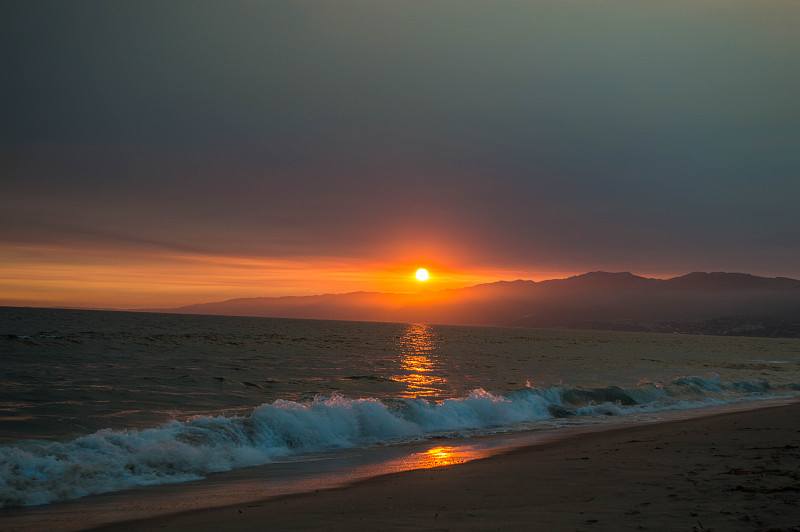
(422, 275)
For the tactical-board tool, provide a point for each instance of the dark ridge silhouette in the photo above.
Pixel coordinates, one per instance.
(703, 303)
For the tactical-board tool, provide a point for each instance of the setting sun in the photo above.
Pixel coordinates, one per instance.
(422, 274)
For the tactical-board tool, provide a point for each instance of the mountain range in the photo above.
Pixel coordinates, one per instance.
(706, 303)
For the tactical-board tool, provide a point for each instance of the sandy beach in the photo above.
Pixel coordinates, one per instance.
(730, 471)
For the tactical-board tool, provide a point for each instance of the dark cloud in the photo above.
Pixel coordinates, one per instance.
(573, 134)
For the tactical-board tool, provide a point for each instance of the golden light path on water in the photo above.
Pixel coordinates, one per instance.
(422, 373)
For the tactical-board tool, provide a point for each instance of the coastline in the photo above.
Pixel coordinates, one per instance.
(727, 471)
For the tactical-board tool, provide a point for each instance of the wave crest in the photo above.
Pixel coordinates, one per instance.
(109, 460)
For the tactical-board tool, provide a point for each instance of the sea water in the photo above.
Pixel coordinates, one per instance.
(95, 402)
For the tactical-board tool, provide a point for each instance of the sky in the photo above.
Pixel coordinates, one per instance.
(155, 154)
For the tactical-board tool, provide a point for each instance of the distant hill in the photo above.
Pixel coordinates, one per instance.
(706, 303)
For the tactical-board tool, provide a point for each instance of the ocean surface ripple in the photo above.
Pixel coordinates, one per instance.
(94, 402)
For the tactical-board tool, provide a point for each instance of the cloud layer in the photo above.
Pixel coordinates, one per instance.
(558, 136)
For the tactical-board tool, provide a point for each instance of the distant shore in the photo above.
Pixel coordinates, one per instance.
(730, 471)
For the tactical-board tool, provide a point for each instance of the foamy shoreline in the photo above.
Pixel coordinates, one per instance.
(559, 472)
(729, 471)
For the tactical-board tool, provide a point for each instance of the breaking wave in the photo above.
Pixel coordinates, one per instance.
(34, 472)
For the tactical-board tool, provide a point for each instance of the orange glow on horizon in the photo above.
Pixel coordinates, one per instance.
(112, 278)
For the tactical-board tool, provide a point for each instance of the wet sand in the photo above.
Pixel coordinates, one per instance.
(727, 472)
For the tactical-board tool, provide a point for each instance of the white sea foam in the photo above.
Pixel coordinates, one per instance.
(40, 472)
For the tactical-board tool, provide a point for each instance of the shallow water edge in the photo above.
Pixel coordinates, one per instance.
(320, 472)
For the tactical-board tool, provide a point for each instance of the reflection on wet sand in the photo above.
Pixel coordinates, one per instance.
(421, 371)
(443, 456)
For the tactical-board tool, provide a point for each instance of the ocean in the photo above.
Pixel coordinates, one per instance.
(97, 402)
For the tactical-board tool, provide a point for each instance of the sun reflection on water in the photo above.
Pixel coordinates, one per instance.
(443, 456)
(420, 370)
